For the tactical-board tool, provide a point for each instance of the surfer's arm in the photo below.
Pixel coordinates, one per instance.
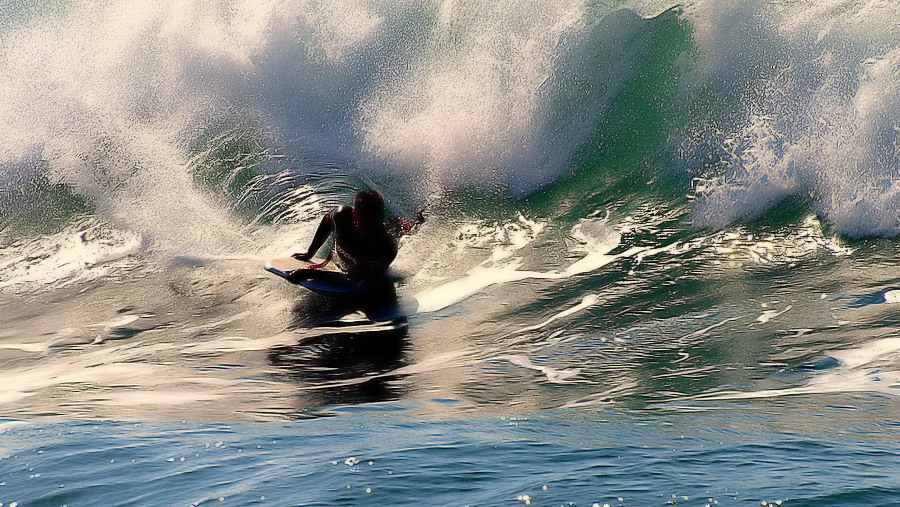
(399, 226)
(326, 227)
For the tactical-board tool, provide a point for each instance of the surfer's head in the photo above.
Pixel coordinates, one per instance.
(369, 205)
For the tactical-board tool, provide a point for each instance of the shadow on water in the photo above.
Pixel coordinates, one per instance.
(345, 346)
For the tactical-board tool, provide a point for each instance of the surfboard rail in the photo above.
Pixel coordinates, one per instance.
(326, 279)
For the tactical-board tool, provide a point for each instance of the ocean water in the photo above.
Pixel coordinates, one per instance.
(660, 264)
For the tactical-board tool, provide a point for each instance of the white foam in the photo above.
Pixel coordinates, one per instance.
(883, 350)
(127, 104)
(822, 122)
(502, 97)
(705, 331)
(768, 315)
(24, 382)
(871, 367)
(342, 27)
(563, 376)
(225, 344)
(476, 280)
(586, 302)
(433, 363)
(117, 100)
(78, 253)
(501, 268)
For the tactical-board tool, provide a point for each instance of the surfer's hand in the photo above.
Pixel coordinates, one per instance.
(302, 256)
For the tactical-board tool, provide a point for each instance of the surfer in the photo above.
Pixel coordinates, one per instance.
(364, 244)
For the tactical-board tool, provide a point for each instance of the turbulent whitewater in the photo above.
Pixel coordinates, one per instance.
(659, 263)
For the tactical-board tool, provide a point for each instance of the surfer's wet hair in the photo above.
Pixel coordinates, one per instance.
(369, 204)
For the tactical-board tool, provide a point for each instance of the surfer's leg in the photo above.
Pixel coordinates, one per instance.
(379, 301)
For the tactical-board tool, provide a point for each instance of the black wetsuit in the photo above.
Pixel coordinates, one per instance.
(363, 248)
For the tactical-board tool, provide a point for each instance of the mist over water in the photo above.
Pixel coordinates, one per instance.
(814, 92)
(129, 104)
(659, 260)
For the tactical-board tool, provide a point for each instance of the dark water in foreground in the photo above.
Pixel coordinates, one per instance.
(394, 454)
(660, 264)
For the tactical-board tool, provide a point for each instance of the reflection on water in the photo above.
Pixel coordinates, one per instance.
(360, 357)
(346, 345)
(378, 303)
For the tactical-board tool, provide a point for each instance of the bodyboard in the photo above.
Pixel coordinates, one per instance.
(327, 279)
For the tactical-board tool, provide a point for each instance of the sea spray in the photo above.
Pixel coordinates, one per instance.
(814, 93)
(162, 120)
